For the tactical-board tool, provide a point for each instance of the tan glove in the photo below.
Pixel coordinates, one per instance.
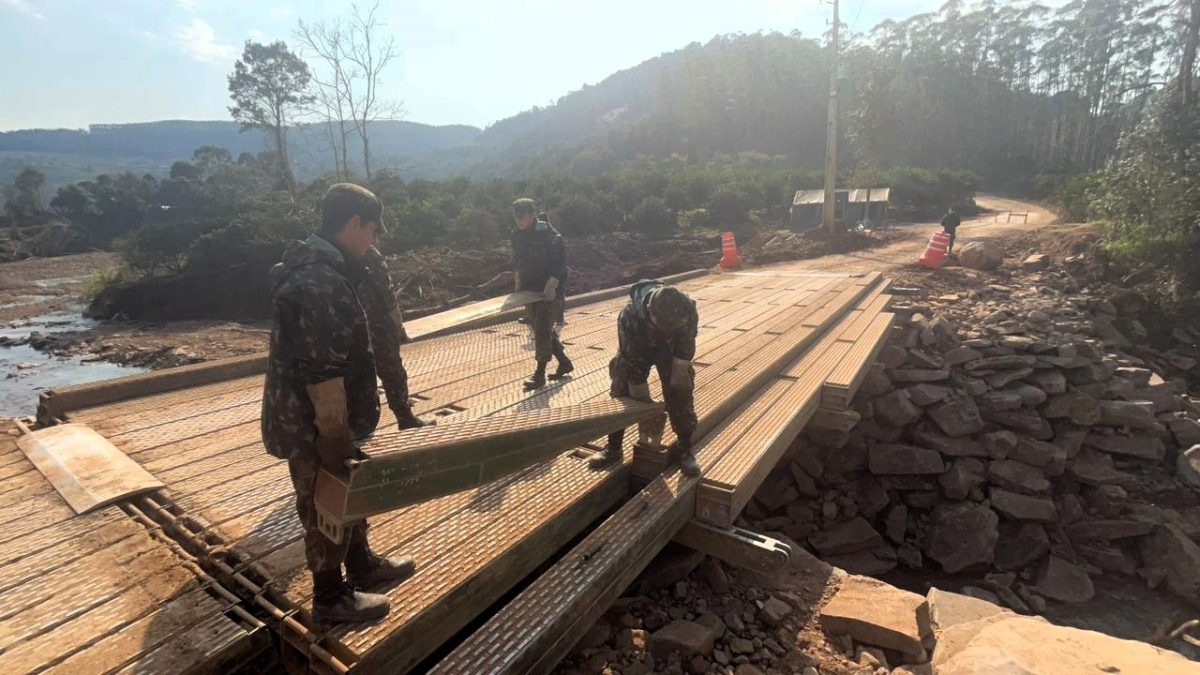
(682, 375)
(334, 445)
(551, 290)
(650, 432)
(640, 392)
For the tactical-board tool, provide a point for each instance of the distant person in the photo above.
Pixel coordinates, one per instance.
(386, 326)
(540, 263)
(320, 397)
(950, 223)
(657, 329)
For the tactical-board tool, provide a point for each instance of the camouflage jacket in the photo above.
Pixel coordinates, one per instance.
(320, 333)
(538, 254)
(386, 327)
(641, 341)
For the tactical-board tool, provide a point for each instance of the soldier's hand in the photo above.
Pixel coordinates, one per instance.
(683, 376)
(640, 392)
(551, 289)
(335, 450)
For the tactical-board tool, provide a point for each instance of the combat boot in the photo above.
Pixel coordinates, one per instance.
(335, 601)
(565, 367)
(365, 569)
(538, 379)
(405, 419)
(610, 455)
(687, 460)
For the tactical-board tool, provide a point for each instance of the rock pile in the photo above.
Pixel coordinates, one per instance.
(1017, 435)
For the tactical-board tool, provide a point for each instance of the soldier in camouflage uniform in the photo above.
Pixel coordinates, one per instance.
(541, 266)
(321, 396)
(657, 328)
(386, 326)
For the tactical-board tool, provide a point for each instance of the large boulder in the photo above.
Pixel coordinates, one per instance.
(957, 416)
(874, 613)
(1174, 558)
(853, 535)
(961, 535)
(1008, 643)
(980, 255)
(1064, 581)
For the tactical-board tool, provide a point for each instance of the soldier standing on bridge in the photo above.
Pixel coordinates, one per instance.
(321, 395)
(657, 328)
(541, 266)
(386, 326)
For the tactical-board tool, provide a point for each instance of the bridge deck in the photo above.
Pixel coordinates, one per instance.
(233, 506)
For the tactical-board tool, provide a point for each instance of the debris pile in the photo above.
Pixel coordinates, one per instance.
(1019, 437)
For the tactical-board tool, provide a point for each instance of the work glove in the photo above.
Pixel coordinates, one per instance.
(334, 442)
(551, 290)
(640, 392)
(650, 432)
(682, 374)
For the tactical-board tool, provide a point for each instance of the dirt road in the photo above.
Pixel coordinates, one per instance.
(995, 224)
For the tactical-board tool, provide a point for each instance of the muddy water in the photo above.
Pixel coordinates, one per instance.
(25, 372)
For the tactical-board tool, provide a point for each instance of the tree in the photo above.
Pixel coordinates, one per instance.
(269, 87)
(326, 40)
(355, 54)
(27, 201)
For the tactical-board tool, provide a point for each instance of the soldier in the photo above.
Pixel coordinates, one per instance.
(657, 328)
(320, 395)
(950, 223)
(541, 266)
(386, 326)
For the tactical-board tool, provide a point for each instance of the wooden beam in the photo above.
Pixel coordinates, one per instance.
(56, 403)
(737, 546)
(417, 465)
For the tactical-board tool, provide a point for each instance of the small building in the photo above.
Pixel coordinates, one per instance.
(858, 205)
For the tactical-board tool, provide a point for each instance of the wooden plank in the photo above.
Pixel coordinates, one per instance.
(838, 392)
(86, 470)
(532, 633)
(58, 402)
(416, 465)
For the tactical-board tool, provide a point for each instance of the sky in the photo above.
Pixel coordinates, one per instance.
(71, 63)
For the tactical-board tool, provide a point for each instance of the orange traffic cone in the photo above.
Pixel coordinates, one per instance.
(729, 253)
(935, 253)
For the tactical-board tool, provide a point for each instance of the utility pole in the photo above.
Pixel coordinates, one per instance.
(827, 217)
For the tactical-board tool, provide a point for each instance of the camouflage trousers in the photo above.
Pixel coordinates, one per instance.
(322, 554)
(390, 367)
(542, 316)
(680, 404)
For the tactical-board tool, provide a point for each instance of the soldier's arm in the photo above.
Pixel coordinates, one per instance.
(683, 345)
(634, 348)
(558, 257)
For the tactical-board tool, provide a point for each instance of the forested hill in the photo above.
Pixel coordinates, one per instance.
(154, 146)
(1004, 89)
(1007, 90)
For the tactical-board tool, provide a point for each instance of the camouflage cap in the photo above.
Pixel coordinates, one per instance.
(670, 308)
(343, 201)
(524, 206)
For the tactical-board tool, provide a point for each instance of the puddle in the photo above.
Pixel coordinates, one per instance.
(26, 372)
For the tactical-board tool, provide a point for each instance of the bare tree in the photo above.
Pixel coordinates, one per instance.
(370, 53)
(355, 54)
(333, 93)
